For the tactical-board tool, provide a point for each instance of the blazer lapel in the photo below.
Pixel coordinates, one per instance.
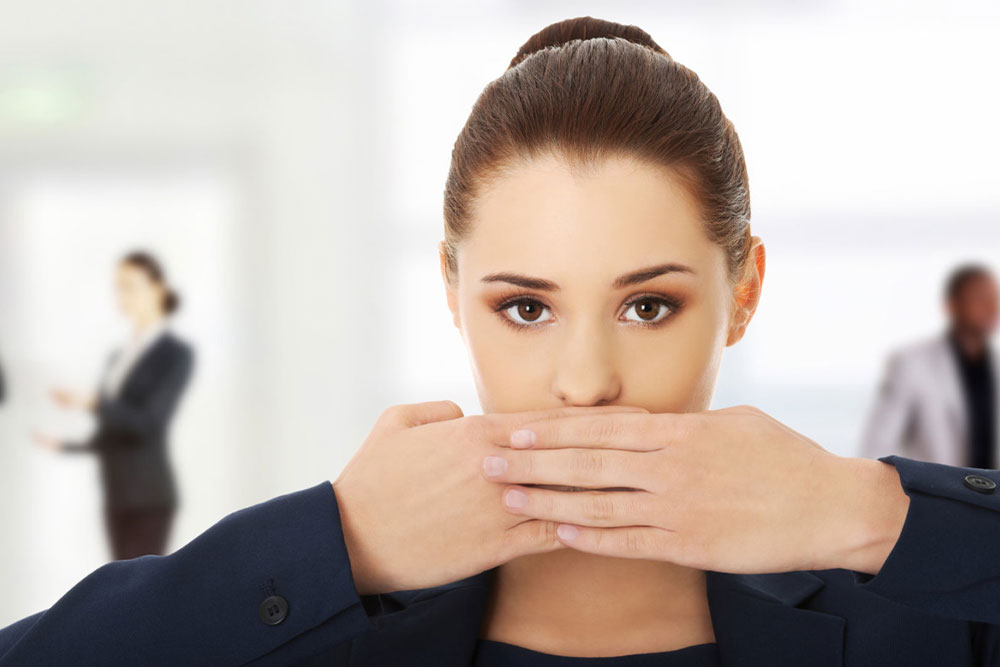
(140, 364)
(995, 354)
(757, 621)
(756, 618)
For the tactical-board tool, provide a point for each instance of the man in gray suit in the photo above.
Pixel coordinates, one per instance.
(939, 399)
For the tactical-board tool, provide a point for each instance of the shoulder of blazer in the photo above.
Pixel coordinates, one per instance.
(923, 353)
(173, 346)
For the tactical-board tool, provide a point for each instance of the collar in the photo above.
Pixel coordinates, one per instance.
(758, 619)
(147, 337)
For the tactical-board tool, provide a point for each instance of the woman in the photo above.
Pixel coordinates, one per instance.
(597, 260)
(138, 393)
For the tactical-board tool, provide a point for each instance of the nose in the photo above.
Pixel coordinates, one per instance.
(586, 371)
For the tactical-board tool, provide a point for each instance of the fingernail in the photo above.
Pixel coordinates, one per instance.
(567, 532)
(515, 498)
(494, 465)
(523, 437)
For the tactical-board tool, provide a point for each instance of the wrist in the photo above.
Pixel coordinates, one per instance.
(875, 514)
(355, 550)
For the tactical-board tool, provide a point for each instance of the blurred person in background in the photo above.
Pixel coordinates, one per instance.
(138, 393)
(586, 532)
(938, 400)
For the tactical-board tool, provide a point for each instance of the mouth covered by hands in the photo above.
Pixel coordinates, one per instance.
(729, 490)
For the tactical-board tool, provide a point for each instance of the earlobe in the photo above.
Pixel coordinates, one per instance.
(748, 291)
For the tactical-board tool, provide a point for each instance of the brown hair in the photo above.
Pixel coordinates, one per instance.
(962, 275)
(151, 267)
(588, 89)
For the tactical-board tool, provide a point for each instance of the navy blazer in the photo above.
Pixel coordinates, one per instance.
(271, 584)
(132, 427)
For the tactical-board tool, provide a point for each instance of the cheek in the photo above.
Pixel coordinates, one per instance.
(675, 369)
(509, 367)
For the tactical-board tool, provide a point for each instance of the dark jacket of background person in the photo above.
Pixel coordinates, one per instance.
(272, 584)
(132, 428)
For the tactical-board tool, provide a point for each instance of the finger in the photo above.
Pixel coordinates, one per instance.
(637, 432)
(500, 424)
(593, 468)
(407, 415)
(530, 536)
(646, 542)
(585, 508)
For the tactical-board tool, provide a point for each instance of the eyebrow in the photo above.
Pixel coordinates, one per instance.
(624, 280)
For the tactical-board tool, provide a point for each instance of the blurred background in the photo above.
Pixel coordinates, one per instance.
(286, 161)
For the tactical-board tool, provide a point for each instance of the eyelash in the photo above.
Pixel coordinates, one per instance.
(674, 304)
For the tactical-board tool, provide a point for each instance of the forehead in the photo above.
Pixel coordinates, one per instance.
(544, 218)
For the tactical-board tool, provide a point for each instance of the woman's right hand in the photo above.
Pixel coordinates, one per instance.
(415, 507)
(46, 441)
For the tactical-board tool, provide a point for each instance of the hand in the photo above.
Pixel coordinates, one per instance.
(729, 490)
(46, 441)
(65, 398)
(414, 508)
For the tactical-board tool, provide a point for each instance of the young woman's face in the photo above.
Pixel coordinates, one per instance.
(596, 290)
(138, 295)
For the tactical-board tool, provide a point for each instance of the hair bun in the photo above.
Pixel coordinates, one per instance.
(583, 27)
(171, 301)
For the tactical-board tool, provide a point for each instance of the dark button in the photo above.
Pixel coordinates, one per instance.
(273, 609)
(980, 483)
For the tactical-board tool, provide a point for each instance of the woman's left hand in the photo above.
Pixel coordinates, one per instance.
(729, 490)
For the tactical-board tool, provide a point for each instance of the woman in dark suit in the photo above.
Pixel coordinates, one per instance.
(140, 388)
(586, 533)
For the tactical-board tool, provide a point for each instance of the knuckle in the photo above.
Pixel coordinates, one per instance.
(588, 461)
(603, 430)
(393, 413)
(635, 541)
(601, 507)
(547, 533)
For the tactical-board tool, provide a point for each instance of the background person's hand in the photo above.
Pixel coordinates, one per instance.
(416, 511)
(68, 399)
(46, 441)
(729, 490)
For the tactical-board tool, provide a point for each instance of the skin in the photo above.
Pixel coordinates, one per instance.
(973, 314)
(140, 301)
(589, 346)
(584, 343)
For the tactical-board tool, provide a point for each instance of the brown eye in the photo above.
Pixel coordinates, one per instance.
(647, 309)
(527, 312)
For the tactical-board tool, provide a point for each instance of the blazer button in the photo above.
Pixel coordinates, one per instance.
(273, 609)
(980, 483)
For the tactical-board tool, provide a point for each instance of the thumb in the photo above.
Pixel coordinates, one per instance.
(531, 537)
(407, 415)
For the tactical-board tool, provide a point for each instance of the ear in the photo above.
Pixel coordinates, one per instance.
(747, 292)
(450, 292)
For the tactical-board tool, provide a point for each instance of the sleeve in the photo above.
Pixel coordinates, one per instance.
(890, 415)
(947, 558)
(158, 406)
(269, 584)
